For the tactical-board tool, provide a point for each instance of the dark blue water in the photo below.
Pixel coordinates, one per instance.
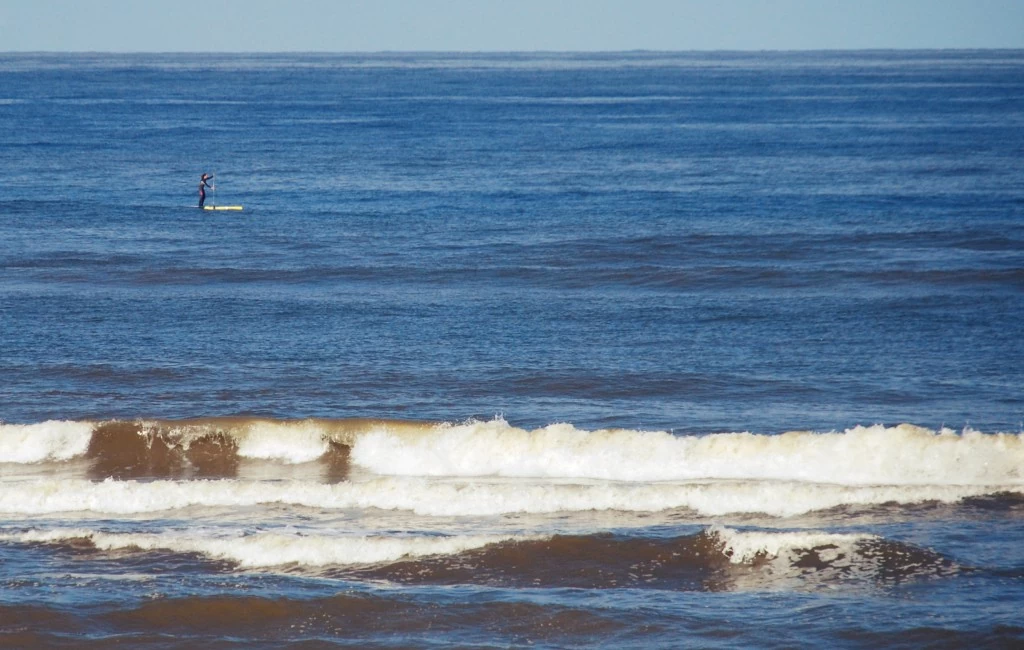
(682, 243)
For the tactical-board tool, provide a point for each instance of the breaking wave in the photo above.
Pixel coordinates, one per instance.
(873, 455)
(714, 557)
(454, 498)
(265, 549)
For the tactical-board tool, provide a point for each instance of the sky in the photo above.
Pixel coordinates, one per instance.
(505, 25)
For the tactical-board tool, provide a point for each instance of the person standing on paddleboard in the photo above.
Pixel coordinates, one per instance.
(203, 184)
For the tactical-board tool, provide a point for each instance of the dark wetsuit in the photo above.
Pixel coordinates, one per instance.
(202, 189)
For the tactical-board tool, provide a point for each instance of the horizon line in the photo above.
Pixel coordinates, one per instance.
(540, 51)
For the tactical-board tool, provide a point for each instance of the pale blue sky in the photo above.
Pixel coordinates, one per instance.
(505, 25)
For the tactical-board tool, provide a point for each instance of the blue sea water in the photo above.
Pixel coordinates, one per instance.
(625, 349)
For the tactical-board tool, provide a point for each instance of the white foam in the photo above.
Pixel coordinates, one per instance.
(876, 455)
(46, 441)
(902, 455)
(270, 549)
(462, 498)
(289, 442)
(744, 547)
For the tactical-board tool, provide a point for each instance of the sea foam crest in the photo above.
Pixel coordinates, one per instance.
(808, 558)
(876, 455)
(44, 441)
(744, 547)
(459, 498)
(901, 455)
(269, 549)
(293, 442)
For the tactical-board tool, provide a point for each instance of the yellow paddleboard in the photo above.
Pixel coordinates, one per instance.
(222, 207)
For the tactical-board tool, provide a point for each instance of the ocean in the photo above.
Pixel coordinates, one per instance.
(623, 350)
